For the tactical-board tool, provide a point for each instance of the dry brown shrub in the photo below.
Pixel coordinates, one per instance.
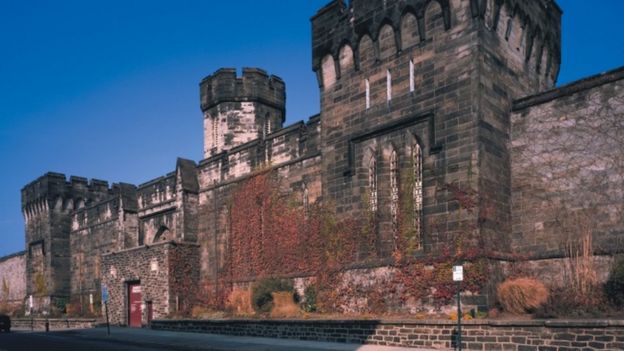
(521, 295)
(239, 302)
(284, 305)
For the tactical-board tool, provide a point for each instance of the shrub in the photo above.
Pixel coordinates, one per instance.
(261, 292)
(284, 305)
(614, 286)
(521, 295)
(309, 299)
(239, 302)
(564, 302)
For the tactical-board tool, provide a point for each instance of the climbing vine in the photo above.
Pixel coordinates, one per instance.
(271, 234)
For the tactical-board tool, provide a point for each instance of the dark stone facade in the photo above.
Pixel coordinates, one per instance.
(447, 77)
(166, 271)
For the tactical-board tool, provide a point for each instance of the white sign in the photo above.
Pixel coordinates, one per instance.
(30, 301)
(458, 273)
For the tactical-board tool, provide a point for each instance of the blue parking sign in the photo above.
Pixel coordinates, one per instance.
(104, 294)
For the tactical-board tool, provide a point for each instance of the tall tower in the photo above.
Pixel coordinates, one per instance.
(435, 76)
(47, 205)
(240, 109)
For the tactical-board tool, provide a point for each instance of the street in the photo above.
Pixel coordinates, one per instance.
(19, 341)
(143, 339)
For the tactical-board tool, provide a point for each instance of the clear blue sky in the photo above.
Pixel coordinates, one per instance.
(109, 89)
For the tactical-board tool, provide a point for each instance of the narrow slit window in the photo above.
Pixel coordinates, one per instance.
(388, 85)
(367, 83)
(306, 201)
(215, 133)
(411, 76)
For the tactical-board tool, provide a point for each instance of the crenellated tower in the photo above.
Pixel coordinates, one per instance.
(47, 206)
(240, 109)
(427, 81)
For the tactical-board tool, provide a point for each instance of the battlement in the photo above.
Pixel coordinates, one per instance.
(254, 85)
(53, 190)
(339, 31)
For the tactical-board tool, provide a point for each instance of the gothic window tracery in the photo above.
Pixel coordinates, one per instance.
(417, 194)
(394, 191)
(372, 181)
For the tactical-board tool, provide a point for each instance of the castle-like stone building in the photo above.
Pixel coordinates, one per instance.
(460, 91)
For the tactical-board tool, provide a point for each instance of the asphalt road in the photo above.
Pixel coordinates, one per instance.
(143, 339)
(27, 341)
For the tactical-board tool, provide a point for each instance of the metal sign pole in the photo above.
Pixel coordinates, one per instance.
(458, 276)
(105, 300)
(107, 322)
(459, 316)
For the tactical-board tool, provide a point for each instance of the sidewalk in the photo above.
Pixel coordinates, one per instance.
(214, 342)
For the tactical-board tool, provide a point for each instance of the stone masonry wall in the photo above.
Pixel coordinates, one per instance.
(568, 167)
(48, 204)
(292, 151)
(12, 280)
(536, 335)
(436, 73)
(155, 267)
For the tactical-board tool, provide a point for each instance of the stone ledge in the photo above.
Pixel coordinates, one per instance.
(554, 323)
(556, 335)
(569, 89)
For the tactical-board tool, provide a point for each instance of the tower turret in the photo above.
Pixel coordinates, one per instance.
(240, 109)
(435, 76)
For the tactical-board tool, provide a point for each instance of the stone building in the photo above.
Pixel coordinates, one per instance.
(461, 92)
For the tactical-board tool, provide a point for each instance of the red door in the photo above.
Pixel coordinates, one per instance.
(134, 305)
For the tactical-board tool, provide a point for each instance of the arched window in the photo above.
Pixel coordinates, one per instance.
(394, 192)
(372, 182)
(417, 194)
(161, 234)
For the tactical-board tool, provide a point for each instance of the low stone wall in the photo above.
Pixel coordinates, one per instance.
(54, 323)
(538, 335)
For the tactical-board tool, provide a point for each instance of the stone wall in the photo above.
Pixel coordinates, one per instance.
(48, 205)
(164, 270)
(439, 74)
(239, 110)
(12, 281)
(532, 335)
(293, 152)
(568, 167)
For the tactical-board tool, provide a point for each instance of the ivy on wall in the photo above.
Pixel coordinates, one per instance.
(271, 234)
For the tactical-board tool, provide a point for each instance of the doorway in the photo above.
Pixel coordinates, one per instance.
(134, 304)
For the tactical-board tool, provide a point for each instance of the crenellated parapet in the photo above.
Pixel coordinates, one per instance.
(352, 37)
(123, 199)
(255, 85)
(240, 109)
(54, 193)
(290, 144)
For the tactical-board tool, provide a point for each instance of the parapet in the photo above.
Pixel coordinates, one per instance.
(52, 186)
(338, 25)
(254, 85)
